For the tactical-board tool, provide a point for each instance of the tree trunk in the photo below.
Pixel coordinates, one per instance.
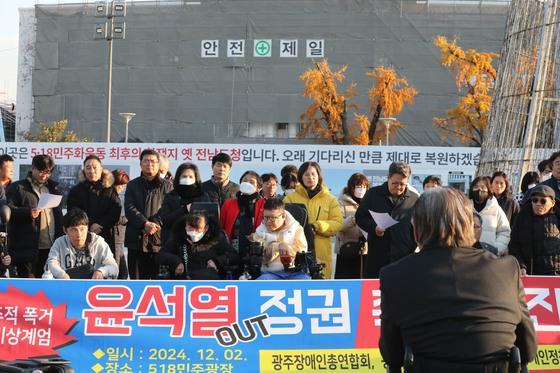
(345, 129)
(373, 124)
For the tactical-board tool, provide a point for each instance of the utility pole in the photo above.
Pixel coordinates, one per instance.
(109, 30)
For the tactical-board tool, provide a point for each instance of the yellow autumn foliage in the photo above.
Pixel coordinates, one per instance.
(475, 74)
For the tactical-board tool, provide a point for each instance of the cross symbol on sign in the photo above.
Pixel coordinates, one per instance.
(262, 48)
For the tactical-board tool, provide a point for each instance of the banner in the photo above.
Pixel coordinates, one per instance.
(455, 166)
(219, 327)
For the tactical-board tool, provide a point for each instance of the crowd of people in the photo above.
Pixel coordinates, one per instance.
(472, 249)
(164, 225)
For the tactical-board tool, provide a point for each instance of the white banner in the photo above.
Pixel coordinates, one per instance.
(456, 166)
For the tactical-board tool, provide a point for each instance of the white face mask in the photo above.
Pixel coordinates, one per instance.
(162, 175)
(186, 181)
(531, 186)
(289, 191)
(360, 192)
(247, 188)
(195, 236)
(546, 176)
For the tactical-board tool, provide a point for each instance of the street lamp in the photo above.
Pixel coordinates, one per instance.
(110, 29)
(387, 123)
(127, 117)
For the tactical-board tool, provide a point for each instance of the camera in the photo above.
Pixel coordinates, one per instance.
(304, 263)
(253, 260)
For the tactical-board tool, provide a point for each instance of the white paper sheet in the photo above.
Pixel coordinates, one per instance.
(364, 233)
(49, 201)
(382, 219)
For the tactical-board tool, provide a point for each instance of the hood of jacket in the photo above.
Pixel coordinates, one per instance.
(345, 198)
(289, 224)
(107, 179)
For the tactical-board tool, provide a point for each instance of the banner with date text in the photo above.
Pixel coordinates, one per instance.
(218, 327)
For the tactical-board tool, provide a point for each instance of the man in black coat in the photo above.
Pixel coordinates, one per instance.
(31, 230)
(96, 196)
(535, 236)
(459, 309)
(554, 181)
(392, 197)
(142, 200)
(220, 188)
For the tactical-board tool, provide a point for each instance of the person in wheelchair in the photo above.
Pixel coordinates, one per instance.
(197, 250)
(282, 238)
(456, 308)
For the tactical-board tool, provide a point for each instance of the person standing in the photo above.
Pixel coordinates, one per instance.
(350, 264)
(121, 254)
(32, 230)
(142, 200)
(6, 170)
(535, 237)
(187, 188)
(96, 196)
(240, 216)
(500, 189)
(495, 226)
(554, 180)
(456, 308)
(394, 198)
(323, 211)
(220, 188)
(269, 186)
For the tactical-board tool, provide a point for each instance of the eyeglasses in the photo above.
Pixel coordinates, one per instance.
(537, 200)
(45, 172)
(272, 219)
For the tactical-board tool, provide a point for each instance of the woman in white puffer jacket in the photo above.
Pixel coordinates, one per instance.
(495, 226)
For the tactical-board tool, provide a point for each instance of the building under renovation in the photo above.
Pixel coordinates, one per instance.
(227, 71)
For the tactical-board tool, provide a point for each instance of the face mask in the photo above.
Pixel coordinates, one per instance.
(186, 181)
(289, 191)
(547, 176)
(195, 236)
(531, 186)
(480, 196)
(162, 175)
(247, 188)
(360, 192)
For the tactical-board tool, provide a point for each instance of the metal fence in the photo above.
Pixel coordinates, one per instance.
(524, 125)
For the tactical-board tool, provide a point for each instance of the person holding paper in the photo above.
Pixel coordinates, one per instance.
(32, 230)
(388, 244)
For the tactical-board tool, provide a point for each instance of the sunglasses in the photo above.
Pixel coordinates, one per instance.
(537, 200)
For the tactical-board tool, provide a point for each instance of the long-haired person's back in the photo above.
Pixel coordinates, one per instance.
(459, 309)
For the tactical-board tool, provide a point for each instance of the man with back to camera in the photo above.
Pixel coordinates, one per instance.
(142, 200)
(78, 247)
(282, 237)
(395, 198)
(219, 187)
(456, 308)
(32, 230)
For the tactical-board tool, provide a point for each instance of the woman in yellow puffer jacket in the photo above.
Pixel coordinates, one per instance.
(323, 210)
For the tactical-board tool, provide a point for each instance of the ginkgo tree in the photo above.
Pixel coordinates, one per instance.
(327, 115)
(475, 75)
(387, 98)
(54, 132)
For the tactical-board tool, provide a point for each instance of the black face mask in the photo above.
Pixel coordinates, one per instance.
(480, 195)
